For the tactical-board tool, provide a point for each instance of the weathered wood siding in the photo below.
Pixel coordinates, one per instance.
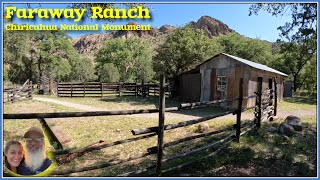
(234, 70)
(190, 86)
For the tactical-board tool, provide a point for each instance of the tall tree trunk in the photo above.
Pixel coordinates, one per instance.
(39, 66)
(295, 83)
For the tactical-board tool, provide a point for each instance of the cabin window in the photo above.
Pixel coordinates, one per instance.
(222, 83)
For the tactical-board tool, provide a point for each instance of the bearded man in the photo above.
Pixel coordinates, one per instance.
(36, 160)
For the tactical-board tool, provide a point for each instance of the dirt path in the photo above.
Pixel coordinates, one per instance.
(177, 115)
(68, 104)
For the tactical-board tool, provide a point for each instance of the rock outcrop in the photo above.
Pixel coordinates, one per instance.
(211, 26)
(295, 122)
(88, 45)
(203, 127)
(290, 125)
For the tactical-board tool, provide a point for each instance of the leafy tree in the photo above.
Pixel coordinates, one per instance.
(5, 74)
(52, 49)
(299, 37)
(132, 57)
(109, 73)
(246, 48)
(18, 56)
(304, 18)
(31, 54)
(82, 69)
(295, 56)
(309, 76)
(183, 50)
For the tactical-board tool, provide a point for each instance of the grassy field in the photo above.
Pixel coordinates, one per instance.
(294, 156)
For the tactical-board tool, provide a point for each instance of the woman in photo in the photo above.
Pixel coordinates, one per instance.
(13, 155)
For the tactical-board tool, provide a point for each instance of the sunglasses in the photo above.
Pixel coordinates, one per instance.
(36, 140)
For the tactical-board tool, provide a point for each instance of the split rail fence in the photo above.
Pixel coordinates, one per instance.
(98, 89)
(265, 108)
(23, 92)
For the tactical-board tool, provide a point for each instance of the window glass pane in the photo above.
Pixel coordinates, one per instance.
(221, 83)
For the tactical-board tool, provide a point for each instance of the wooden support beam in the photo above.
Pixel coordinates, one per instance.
(55, 143)
(180, 124)
(238, 128)
(194, 104)
(259, 101)
(275, 97)
(161, 126)
(76, 114)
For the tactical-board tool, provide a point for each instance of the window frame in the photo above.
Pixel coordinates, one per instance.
(222, 83)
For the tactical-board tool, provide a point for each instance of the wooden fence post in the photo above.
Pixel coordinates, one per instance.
(101, 88)
(84, 89)
(275, 98)
(143, 89)
(238, 130)
(120, 89)
(30, 88)
(14, 94)
(259, 101)
(51, 136)
(161, 126)
(57, 88)
(30, 83)
(136, 89)
(50, 86)
(71, 90)
(9, 92)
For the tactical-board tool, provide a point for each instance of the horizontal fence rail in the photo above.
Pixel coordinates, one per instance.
(18, 93)
(98, 89)
(181, 124)
(263, 111)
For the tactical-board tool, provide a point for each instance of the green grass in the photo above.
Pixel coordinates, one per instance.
(262, 153)
(298, 103)
(116, 102)
(255, 151)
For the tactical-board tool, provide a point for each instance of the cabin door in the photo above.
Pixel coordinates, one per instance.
(206, 85)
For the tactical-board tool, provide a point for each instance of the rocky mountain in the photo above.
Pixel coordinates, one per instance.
(89, 44)
(212, 27)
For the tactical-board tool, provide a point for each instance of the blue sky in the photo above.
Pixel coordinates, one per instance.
(264, 26)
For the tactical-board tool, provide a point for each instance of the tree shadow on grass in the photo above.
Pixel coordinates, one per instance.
(201, 112)
(301, 100)
(138, 100)
(261, 153)
(154, 100)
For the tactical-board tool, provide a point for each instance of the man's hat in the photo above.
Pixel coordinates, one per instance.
(34, 130)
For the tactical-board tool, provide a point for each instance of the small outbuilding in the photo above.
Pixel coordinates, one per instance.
(218, 79)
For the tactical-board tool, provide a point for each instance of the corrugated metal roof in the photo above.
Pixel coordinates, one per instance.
(255, 65)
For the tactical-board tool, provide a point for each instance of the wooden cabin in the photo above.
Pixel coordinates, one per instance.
(218, 79)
